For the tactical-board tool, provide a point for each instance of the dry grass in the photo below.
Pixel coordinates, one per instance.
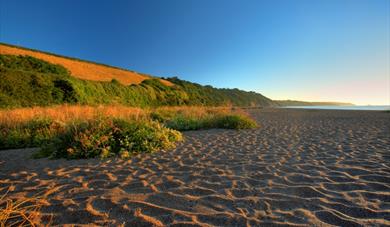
(24, 212)
(83, 70)
(67, 113)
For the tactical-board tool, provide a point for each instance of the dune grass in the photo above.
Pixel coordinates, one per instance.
(19, 212)
(195, 118)
(106, 131)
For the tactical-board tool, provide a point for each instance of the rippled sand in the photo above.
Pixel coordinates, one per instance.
(302, 167)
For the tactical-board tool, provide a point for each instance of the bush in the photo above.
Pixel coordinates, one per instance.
(105, 138)
(236, 122)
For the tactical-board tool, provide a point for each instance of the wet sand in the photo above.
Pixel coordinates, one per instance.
(300, 168)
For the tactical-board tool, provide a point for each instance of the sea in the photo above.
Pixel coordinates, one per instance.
(377, 108)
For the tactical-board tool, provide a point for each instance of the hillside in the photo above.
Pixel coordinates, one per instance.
(304, 103)
(29, 81)
(81, 69)
(208, 95)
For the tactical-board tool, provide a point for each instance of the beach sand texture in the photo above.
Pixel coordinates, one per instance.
(300, 168)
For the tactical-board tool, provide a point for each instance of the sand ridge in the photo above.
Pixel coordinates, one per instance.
(301, 168)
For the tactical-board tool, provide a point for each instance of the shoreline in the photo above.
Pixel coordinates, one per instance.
(384, 108)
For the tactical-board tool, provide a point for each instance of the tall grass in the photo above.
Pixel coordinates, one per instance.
(194, 118)
(68, 113)
(104, 131)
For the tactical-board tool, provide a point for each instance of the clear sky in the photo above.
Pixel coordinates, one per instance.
(330, 50)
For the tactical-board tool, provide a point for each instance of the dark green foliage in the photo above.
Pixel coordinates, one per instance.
(21, 89)
(63, 90)
(27, 81)
(209, 96)
(30, 64)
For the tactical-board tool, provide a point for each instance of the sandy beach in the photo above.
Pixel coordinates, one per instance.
(300, 168)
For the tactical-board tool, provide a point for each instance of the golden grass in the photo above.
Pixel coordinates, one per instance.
(84, 70)
(23, 212)
(68, 113)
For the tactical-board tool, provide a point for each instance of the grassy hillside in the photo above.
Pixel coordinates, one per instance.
(81, 69)
(29, 81)
(303, 103)
(207, 95)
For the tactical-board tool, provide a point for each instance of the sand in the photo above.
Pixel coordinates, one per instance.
(301, 168)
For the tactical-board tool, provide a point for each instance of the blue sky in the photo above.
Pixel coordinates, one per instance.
(330, 50)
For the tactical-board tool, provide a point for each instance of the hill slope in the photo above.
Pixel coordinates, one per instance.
(304, 103)
(28, 81)
(81, 69)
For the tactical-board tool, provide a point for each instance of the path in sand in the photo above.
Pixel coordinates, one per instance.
(301, 167)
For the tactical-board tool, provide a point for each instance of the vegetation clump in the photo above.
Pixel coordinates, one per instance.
(112, 137)
(193, 118)
(235, 122)
(106, 131)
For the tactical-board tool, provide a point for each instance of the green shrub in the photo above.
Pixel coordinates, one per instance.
(235, 122)
(105, 138)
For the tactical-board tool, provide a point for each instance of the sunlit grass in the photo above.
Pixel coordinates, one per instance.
(105, 131)
(22, 212)
(67, 113)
